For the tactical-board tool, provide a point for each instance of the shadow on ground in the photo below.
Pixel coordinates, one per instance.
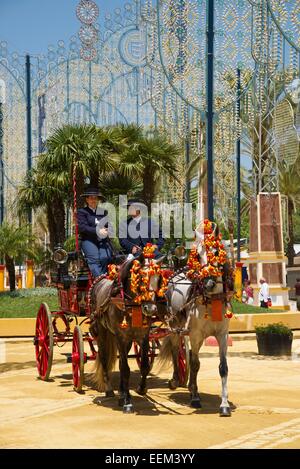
(153, 403)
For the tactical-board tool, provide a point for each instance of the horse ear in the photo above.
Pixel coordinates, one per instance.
(199, 235)
(140, 257)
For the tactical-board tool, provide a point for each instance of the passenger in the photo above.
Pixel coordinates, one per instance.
(138, 230)
(95, 243)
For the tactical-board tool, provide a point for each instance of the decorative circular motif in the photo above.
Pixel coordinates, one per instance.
(87, 11)
(88, 54)
(88, 34)
(132, 48)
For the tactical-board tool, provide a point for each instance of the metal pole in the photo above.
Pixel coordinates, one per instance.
(90, 92)
(1, 168)
(238, 167)
(137, 96)
(28, 121)
(187, 157)
(209, 112)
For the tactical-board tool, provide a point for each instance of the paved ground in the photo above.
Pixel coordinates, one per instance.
(264, 394)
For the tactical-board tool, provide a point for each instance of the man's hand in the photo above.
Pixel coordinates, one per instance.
(103, 232)
(135, 249)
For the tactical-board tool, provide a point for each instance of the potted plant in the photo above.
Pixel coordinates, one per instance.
(274, 339)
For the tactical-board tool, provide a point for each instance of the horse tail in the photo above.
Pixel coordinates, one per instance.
(169, 344)
(107, 344)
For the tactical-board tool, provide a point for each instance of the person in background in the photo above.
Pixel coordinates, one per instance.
(297, 292)
(247, 296)
(264, 293)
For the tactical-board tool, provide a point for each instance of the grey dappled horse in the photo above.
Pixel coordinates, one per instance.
(190, 303)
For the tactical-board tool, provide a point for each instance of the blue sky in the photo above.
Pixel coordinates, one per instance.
(29, 26)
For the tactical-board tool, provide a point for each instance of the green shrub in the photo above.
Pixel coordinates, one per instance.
(276, 328)
(29, 292)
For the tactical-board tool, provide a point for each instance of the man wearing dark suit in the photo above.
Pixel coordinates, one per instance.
(94, 241)
(137, 231)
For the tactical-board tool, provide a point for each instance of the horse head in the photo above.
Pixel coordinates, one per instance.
(211, 285)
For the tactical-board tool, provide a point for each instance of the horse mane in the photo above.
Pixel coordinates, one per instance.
(125, 271)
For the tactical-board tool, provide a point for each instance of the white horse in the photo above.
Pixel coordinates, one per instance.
(192, 304)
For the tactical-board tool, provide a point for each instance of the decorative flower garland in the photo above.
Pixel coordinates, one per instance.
(215, 252)
(148, 251)
(140, 278)
(112, 272)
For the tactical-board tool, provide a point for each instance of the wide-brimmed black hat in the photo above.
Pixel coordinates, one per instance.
(138, 203)
(92, 191)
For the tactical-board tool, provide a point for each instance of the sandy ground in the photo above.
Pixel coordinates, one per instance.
(264, 393)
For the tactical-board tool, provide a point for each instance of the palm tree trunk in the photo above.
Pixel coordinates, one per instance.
(10, 265)
(94, 178)
(290, 245)
(51, 226)
(60, 217)
(148, 186)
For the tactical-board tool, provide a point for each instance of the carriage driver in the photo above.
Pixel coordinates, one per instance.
(95, 243)
(137, 230)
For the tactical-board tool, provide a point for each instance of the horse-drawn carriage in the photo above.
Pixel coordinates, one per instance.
(70, 323)
(136, 305)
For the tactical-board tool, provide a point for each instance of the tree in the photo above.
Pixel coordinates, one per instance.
(147, 157)
(15, 244)
(85, 149)
(38, 190)
(289, 185)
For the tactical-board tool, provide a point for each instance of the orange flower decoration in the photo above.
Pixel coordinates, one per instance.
(148, 251)
(216, 256)
(140, 281)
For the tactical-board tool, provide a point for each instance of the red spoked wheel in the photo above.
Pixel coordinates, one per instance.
(78, 359)
(43, 342)
(183, 360)
(154, 344)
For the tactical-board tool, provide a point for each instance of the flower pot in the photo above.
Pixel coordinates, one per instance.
(274, 344)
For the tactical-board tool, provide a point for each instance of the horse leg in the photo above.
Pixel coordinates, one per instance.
(223, 370)
(145, 365)
(125, 397)
(174, 344)
(196, 343)
(106, 377)
(104, 356)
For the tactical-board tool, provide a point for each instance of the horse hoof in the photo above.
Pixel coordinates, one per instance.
(128, 409)
(141, 391)
(225, 412)
(196, 404)
(172, 384)
(110, 393)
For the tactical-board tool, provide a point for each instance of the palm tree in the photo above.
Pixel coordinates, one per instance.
(15, 244)
(148, 158)
(83, 149)
(114, 183)
(289, 184)
(38, 191)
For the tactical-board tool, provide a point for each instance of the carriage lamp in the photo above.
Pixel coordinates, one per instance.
(180, 253)
(60, 256)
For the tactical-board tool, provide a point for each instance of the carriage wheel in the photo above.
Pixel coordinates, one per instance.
(77, 359)
(183, 360)
(43, 341)
(153, 345)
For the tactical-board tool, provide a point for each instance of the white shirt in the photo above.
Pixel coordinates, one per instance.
(264, 292)
(137, 219)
